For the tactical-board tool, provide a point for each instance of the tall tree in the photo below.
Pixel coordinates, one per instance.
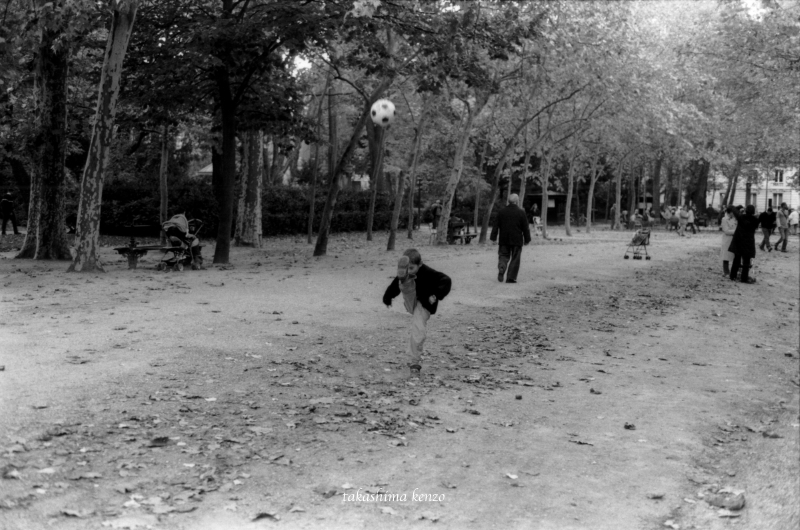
(123, 14)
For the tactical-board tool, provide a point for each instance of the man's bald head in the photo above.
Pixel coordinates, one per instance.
(513, 199)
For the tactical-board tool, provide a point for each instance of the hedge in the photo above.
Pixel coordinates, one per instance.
(284, 209)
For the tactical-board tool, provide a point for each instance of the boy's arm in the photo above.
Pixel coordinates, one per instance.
(392, 291)
(443, 285)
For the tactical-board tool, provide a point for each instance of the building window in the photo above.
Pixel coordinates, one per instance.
(778, 175)
(777, 199)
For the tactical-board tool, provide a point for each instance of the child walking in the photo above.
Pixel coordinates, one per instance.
(422, 288)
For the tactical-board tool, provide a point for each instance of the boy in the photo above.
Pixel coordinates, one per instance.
(422, 288)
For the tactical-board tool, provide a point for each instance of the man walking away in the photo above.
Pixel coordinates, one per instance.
(743, 243)
(783, 226)
(436, 210)
(767, 222)
(7, 212)
(514, 233)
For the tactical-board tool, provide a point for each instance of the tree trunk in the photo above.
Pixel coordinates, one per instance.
(545, 197)
(313, 192)
(162, 181)
(321, 248)
(248, 224)
(570, 180)
(455, 177)
(593, 175)
(731, 195)
(227, 188)
(701, 188)
(99, 154)
(377, 167)
(657, 189)
(46, 237)
(333, 130)
(680, 186)
(478, 186)
(523, 183)
(669, 186)
(631, 190)
(398, 198)
(618, 199)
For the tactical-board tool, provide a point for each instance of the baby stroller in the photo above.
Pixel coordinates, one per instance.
(184, 245)
(638, 244)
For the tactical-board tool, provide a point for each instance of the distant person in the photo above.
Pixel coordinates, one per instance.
(436, 210)
(743, 244)
(7, 208)
(794, 220)
(422, 288)
(783, 226)
(674, 220)
(613, 217)
(534, 211)
(728, 227)
(514, 233)
(767, 221)
(690, 220)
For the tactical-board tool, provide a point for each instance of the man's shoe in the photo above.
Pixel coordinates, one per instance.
(402, 267)
(750, 280)
(511, 281)
(415, 371)
(500, 276)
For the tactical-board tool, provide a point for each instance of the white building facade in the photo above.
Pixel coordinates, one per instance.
(772, 189)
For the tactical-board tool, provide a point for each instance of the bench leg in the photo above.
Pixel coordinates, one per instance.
(133, 260)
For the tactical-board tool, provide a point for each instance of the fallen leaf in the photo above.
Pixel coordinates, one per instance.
(655, 496)
(132, 521)
(512, 477)
(161, 441)
(267, 515)
(389, 510)
(85, 512)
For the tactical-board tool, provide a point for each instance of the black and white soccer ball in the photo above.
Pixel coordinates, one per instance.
(382, 112)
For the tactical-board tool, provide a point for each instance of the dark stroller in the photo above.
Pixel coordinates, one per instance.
(184, 245)
(639, 244)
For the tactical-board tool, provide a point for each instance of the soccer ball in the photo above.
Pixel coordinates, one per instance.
(382, 112)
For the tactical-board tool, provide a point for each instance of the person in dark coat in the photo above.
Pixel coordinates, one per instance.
(743, 244)
(767, 220)
(7, 212)
(512, 224)
(422, 288)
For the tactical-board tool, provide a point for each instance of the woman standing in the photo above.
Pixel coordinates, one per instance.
(728, 227)
(794, 220)
(743, 244)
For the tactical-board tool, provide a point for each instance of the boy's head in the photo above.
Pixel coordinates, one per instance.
(414, 260)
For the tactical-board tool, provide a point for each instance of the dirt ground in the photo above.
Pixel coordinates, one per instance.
(597, 393)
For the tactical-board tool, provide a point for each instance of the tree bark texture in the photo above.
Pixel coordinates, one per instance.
(631, 190)
(545, 198)
(398, 197)
(46, 237)
(99, 154)
(379, 134)
(701, 186)
(570, 180)
(248, 223)
(333, 130)
(618, 198)
(225, 198)
(455, 177)
(315, 172)
(162, 180)
(593, 175)
(657, 189)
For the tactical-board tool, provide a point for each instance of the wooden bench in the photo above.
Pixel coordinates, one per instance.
(133, 251)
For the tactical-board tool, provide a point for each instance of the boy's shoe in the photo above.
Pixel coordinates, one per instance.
(402, 268)
(415, 371)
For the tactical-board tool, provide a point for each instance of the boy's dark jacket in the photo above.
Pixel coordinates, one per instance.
(429, 282)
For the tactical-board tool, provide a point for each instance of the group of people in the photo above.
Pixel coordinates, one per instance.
(739, 226)
(681, 219)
